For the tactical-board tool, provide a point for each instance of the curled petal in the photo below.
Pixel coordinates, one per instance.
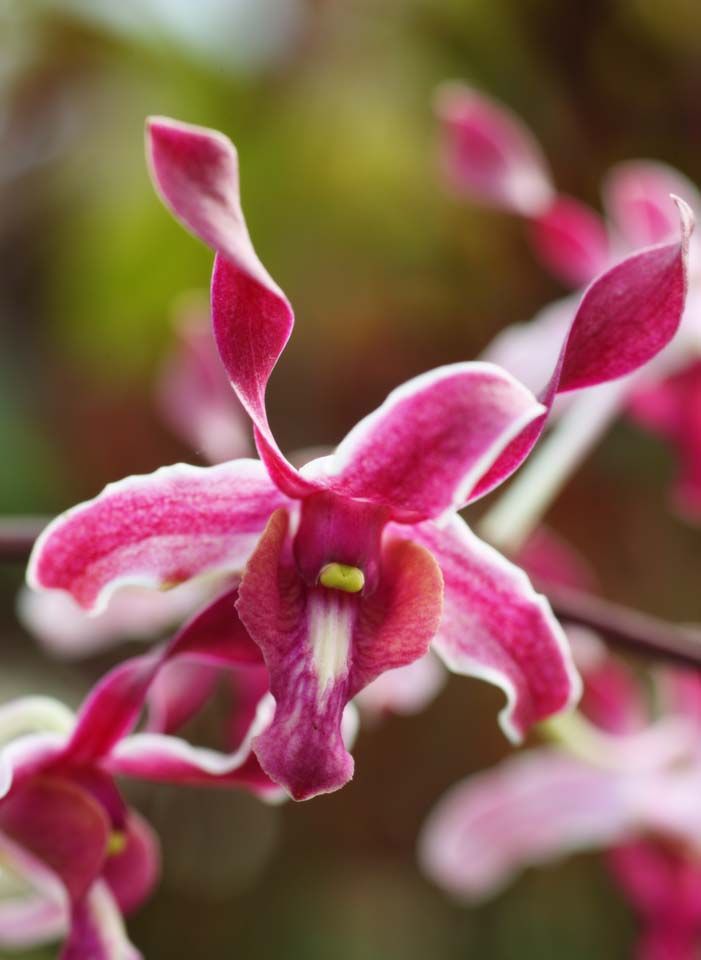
(530, 809)
(322, 646)
(97, 929)
(496, 627)
(155, 531)
(625, 318)
(424, 448)
(195, 171)
(61, 825)
(133, 872)
(195, 396)
(488, 154)
(638, 198)
(571, 240)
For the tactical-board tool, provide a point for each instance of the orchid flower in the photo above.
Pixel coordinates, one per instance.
(490, 156)
(637, 797)
(356, 563)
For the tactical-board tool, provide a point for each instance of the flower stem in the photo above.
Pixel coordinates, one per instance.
(626, 628)
(520, 509)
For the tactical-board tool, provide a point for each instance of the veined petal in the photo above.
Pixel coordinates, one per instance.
(155, 531)
(488, 154)
(638, 198)
(625, 318)
(61, 825)
(424, 448)
(133, 872)
(322, 646)
(97, 929)
(195, 171)
(195, 397)
(571, 240)
(496, 627)
(530, 809)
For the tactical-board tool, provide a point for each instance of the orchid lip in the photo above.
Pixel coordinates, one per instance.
(341, 576)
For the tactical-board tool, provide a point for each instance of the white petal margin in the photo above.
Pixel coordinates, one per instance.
(475, 573)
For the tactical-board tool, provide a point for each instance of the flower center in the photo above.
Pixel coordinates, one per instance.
(116, 842)
(331, 620)
(340, 576)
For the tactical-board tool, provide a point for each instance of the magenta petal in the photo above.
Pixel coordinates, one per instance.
(638, 198)
(625, 318)
(133, 872)
(495, 626)
(61, 825)
(97, 930)
(488, 154)
(571, 240)
(195, 171)
(155, 531)
(179, 691)
(195, 396)
(530, 809)
(322, 646)
(424, 448)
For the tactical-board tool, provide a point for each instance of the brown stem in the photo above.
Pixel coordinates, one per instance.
(626, 628)
(17, 536)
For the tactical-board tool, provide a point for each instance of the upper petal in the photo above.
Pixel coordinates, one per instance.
(625, 318)
(488, 153)
(195, 171)
(495, 626)
(155, 531)
(530, 809)
(424, 448)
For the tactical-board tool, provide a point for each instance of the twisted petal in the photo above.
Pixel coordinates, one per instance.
(530, 809)
(496, 627)
(322, 646)
(488, 154)
(571, 240)
(625, 318)
(97, 929)
(424, 448)
(638, 199)
(195, 171)
(155, 531)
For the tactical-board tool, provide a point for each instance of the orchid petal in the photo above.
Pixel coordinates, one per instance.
(133, 872)
(39, 916)
(571, 240)
(625, 318)
(195, 397)
(496, 627)
(424, 448)
(61, 825)
(488, 154)
(638, 198)
(179, 691)
(195, 171)
(97, 930)
(65, 630)
(322, 646)
(530, 809)
(155, 531)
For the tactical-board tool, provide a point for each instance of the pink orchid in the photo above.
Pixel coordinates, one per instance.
(491, 157)
(636, 796)
(358, 561)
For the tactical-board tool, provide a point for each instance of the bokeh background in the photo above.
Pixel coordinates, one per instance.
(329, 103)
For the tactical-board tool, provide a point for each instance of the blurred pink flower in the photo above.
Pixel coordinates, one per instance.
(637, 797)
(576, 244)
(355, 563)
